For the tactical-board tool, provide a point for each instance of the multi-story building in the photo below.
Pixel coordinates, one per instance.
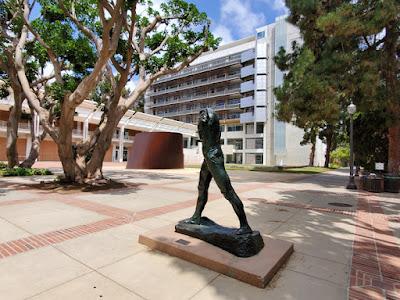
(237, 81)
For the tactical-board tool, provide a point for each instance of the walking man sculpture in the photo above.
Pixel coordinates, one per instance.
(213, 167)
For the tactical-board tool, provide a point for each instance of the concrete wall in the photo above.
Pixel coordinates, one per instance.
(192, 156)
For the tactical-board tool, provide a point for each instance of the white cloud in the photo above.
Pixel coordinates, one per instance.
(238, 14)
(131, 85)
(224, 33)
(277, 5)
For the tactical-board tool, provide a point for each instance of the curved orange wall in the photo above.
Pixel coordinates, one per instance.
(156, 150)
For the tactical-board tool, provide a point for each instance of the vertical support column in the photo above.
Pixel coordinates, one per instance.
(85, 132)
(28, 145)
(113, 153)
(36, 124)
(121, 144)
(189, 142)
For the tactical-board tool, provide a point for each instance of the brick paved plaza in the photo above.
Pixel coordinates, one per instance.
(83, 245)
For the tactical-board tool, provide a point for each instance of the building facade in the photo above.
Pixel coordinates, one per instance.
(237, 81)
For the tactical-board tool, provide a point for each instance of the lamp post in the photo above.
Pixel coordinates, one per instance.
(351, 109)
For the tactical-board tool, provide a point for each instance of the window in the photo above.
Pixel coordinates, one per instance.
(234, 101)
(235, 128)
(233, 116)
(237, 143)
(259, 159)
(260, 34)
(260, 128)
(221, 127)
(256, 143)
(249, 128)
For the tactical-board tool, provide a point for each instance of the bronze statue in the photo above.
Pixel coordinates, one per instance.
(213, 167)
(242, 242)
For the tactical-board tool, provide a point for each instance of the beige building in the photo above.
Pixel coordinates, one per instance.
(237, 81)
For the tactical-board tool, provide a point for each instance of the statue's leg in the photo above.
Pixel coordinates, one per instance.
(204, 183)
(222, 180)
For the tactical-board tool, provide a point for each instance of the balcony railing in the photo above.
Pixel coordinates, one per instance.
(247, 102)
(247, 117)
(197, 97)
(247, 71)
(247, 86)
(218, 63)
(21, 126)
(196, 84)
(248, 55)
(197, 109)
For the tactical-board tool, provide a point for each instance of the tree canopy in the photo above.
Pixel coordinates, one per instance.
(350, 54)
(89, 43)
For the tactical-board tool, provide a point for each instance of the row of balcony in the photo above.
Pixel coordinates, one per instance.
(196, 83)
(259, 115)
(191, 97)
(196, 109)
(218, 63)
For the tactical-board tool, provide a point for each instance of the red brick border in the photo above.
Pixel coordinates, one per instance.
(57, 236)
(375, 265)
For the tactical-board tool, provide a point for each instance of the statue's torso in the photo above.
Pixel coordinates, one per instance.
(210, 136)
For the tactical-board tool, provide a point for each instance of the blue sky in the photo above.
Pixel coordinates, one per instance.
(235, 19)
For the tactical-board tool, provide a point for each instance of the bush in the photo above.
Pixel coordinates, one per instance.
(23, 172)
(340, 157)
(3, 165)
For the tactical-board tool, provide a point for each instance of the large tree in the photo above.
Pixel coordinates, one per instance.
(10, 86)
(376, 27)
(93, 40)
(308, 96)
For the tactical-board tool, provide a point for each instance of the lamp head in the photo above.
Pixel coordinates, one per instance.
(351, 109)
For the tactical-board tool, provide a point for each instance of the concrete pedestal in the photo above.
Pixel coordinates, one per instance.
(257, 270)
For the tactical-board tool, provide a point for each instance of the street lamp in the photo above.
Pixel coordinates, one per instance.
(351, 109)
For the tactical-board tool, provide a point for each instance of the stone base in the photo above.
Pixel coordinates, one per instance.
(242, 245)
(257, 270)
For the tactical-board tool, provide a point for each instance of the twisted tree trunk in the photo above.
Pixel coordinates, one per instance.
(35, 147)
(12, 126)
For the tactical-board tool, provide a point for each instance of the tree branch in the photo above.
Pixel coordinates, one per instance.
(109, 45)
(49, 50)
(89, 33)
(30, 95)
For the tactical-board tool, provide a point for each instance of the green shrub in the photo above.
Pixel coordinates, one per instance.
(3, 165)
(340, 156)
(17, 171)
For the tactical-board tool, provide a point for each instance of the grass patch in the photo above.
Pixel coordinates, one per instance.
(17, 171)
(298, 170)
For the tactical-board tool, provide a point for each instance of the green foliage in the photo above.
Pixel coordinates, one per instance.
(340, 156)
(17, 171)
(350, 53)
(370, 140)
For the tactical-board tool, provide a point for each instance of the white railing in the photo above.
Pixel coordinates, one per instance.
(197, 97)
(247, 102)
(247, 117)
(196, 84)
(225, 61)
